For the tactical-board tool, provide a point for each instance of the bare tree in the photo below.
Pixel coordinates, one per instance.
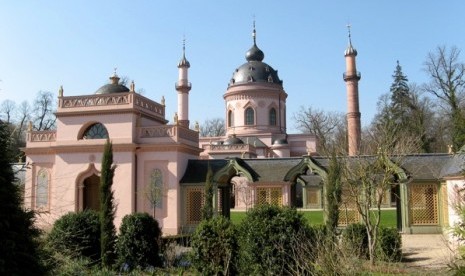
(367, 180)
(329, 127)
(7, 108)
(447, 83)
(43, 110)
(213, 128)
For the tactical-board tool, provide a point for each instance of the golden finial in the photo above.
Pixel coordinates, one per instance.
(60, 91)
(133, 87)
(29, 127)
(176, 118)
(196, 126)
(163, 100)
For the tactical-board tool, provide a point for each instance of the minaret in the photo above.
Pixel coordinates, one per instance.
(183, 86)
(351, 77)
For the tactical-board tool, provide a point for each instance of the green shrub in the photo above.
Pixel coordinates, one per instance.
(355, 240)
(137, 244)
(214, 247)
(76, 235)
(389, 244)
(268, 236)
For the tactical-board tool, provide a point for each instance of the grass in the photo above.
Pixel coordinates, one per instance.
(388, 217)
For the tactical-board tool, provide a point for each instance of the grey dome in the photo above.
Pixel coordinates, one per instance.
(112, 88)
(282, 141)
(233, 140)
(255, 70)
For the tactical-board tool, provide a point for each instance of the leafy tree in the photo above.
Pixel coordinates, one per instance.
(19, 254)
(403, 114)
(107, 208)
(214, 247)
(77, 235)
(447, 83)
(137, 243)
(267, 238)
(207, 209)
(213, 128)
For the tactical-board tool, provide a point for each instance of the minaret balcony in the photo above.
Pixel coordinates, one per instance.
(182, 84)
(352, 75)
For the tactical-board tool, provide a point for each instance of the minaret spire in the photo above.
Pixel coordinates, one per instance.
(254, 33)
(352, 77)
(183, 86)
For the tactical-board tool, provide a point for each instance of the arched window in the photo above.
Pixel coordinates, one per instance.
(155, 189)
(42, 189)
(230, 118)
(249, 116)
(272, 117)
(95, 131)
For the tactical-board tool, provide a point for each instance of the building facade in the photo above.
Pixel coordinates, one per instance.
(162, 167)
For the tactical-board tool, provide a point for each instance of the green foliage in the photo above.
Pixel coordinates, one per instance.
(355, 240)
(333, 193)
(76, 235)
(267, 238)
(214, 247)
(107, 208)
(137, 244)
(207, 209)
(19, 254)
(389, 244)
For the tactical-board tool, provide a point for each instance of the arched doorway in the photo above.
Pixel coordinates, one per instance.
(91, 193)
(227, 187)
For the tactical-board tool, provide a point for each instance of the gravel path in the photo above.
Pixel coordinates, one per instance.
(426, 251)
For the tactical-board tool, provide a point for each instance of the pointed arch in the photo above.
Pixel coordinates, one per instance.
(90, 171)
(307, 163)
(249, 116)
(234, 167)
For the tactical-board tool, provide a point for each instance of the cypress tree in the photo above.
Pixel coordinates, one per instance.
(107, 208)
(333, 193)
(208, 207)
(19, 254)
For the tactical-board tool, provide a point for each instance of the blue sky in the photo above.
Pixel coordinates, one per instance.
(45, 44)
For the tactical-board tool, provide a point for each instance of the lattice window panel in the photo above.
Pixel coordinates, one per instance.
(195, 200)
(423, 204)
(348, 210)
(42, 189)
(268, 195)
(313, 198)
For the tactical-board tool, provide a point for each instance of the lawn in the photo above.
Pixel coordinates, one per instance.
(388, 217)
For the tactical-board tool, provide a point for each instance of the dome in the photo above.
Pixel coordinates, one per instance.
(254, 53)
(350, 51)
(233, 140)
(255, 71)
(112, 88)
(282, 141)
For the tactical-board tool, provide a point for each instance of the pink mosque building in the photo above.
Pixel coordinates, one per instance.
(162, 166)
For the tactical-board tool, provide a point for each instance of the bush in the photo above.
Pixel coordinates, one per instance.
(214, 247)
(137, 244)
(355, 240)
(389, 244)
(76, 235)
(268, 236)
